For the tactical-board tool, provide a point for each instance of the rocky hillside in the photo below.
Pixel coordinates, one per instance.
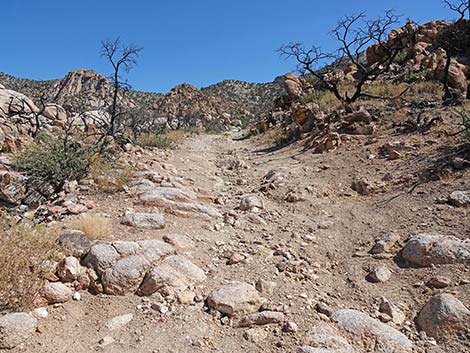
(228, 99)
(253, 97)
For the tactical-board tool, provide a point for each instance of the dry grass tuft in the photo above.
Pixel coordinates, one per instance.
(110, 176)
(25, 249)
(165, 140)
(95, 227)
(433, 88)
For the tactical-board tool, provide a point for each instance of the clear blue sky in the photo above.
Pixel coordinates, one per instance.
(196, 41)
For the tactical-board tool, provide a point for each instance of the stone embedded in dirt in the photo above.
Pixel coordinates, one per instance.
(144, 220)
(174, 272)
(186, 297)
(255, 335)
(189, 210)
(40, 313)
(385, 243)
(106, 341)
(118, 322)
(235, 298)
(379, 274)
(56, 292)
(323, 338)
(76, 208)
(261, 318)
(265, 287)
(373, 333)
(125, 275)
(290, 327)
(364, 186)
(294, 196)
(69, 269)
(443, 316)
(235, 258)
(251, 203)
(123, 264)
(390, 309)
(439, 282)
(178, 202)
(139, 186)
(163, 197)
(153, 250)
(179, 241)
(324, 309)
(15, 329)
(460, 198)
(427, 249)
(75, 243)
(101, 257)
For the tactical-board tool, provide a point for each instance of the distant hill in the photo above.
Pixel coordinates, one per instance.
(89, 87)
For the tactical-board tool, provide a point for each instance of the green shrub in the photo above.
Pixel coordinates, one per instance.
(55, 161)
(402, 57)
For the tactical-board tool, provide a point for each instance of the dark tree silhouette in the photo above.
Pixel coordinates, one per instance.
(459, 6)
(121, 57)
(354, 33)
(455, 40)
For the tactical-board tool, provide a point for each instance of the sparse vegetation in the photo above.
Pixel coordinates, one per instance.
(155, 140)
(354, 34)
(55, 161)
(110, 175)
(95, 227)
(26, 249)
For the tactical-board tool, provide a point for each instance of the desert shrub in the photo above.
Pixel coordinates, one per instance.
(402, 57)
(25, 249)
(433, 88)
(54, 162)
(155, 140)
(415, 75)
(110, 175)
(95, 227)
(464, 116)
(177, 136)
(385, 89)
(325, 99)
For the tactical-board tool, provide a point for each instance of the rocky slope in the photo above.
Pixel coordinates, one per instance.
(184, 105)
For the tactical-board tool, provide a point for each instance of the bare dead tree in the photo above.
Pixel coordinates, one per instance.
(455, 40)
(354, 34)
(459, 6)
(121, 57)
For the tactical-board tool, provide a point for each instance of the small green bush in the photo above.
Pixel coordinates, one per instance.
(402, 57)
(55, 161)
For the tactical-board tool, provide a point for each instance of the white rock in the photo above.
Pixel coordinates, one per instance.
(56, 292)
(118, 322)
(144, 220)
(369, 331)
(16, 328)
(175, 272)
(235, 298)
(40, 313)
(427, 249)
(443, 316)
(69, 269)
(251, 202)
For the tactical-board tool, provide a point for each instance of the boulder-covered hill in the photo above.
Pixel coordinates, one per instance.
(230, 97)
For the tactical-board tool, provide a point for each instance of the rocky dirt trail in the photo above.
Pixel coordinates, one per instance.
(266, 251)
